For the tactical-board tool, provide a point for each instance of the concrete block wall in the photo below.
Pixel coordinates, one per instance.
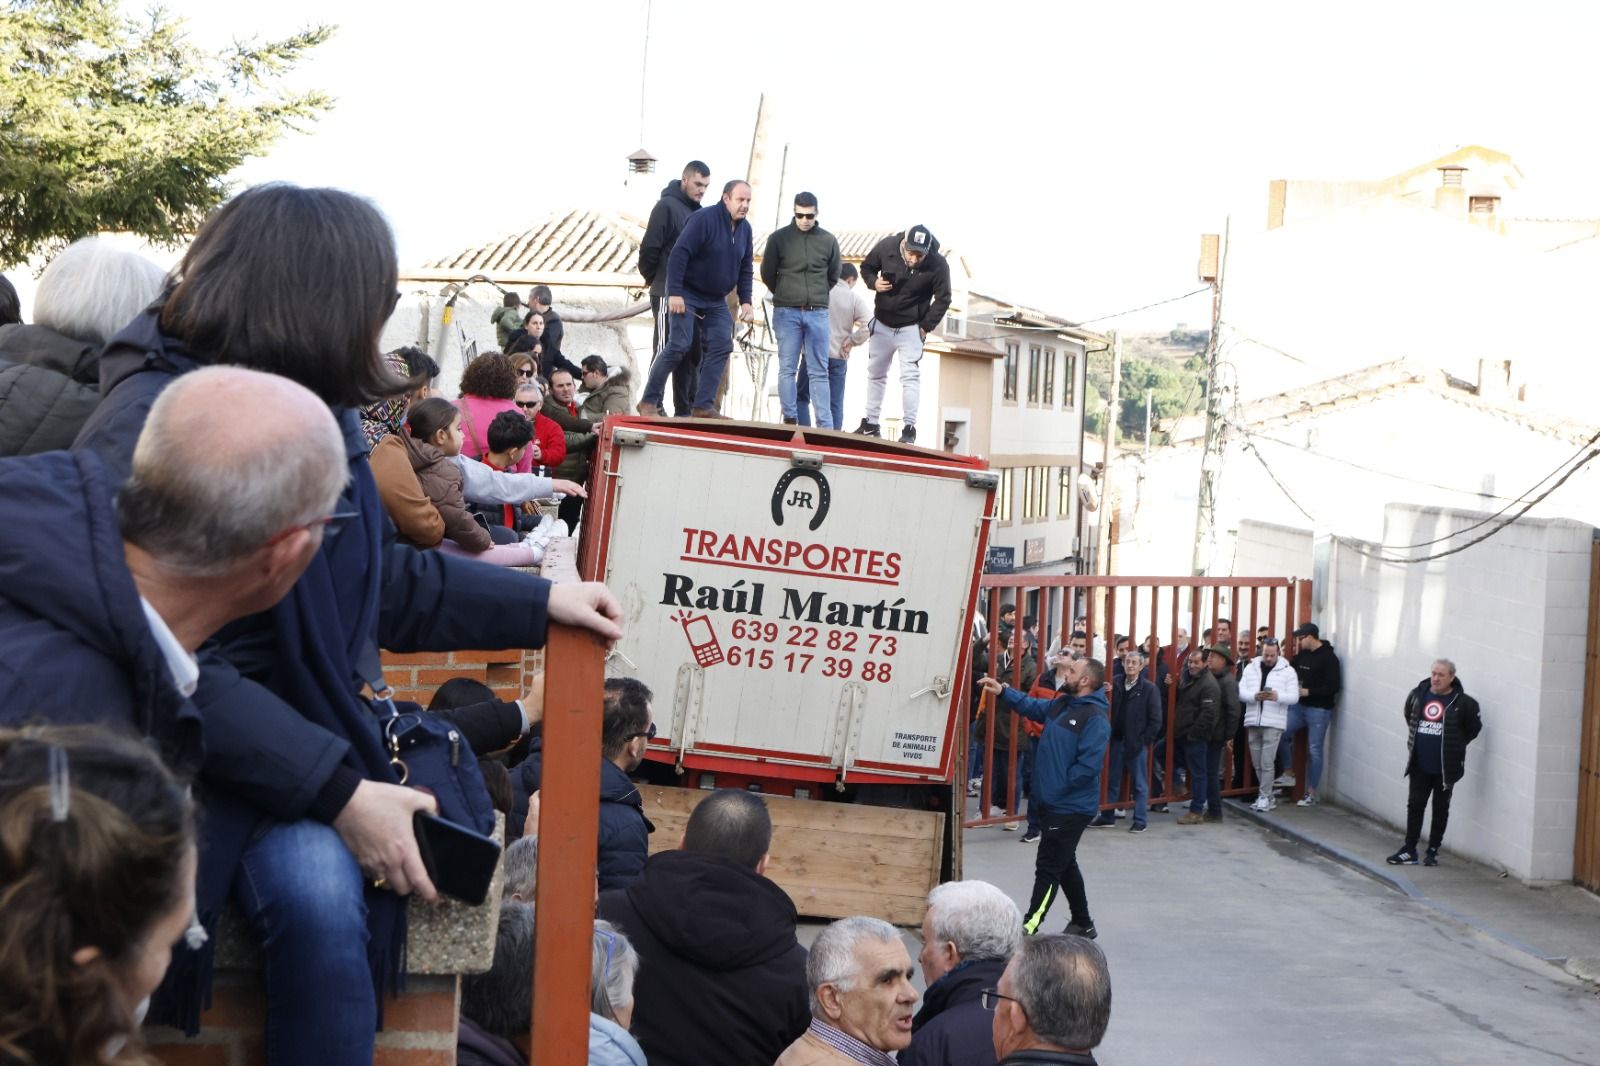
(1512, 613)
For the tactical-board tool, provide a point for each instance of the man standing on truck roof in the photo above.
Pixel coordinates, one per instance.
(912, 281)
(799, 267)
(1072, 750)
(712, 257)
(680, 199)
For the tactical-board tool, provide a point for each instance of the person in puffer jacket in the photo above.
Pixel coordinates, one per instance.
(50, 371)
(1267, 686)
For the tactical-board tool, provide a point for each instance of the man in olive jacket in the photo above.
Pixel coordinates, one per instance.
(1199, 711)
(800, 266)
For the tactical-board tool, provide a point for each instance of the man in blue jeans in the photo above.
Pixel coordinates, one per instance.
(1136, 719)
(1320, 681)
(799, 267)
(712, 257)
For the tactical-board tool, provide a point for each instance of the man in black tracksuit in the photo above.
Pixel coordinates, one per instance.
(1441, 720)
(680, 199)
(912, 281)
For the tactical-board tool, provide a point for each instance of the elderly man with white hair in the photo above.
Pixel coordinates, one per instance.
(105, 597)
(859, 974)
(50, 371)
(970, 932)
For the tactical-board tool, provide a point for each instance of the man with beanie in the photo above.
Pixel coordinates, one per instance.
(1441, 720)
(912, 281)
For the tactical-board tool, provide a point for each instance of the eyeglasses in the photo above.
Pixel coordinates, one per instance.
(332, 523)
(527, 406)
(991, 997)
(525, 372)
(802, 215)
(648, 733)
(1270, 640)
(611, 945)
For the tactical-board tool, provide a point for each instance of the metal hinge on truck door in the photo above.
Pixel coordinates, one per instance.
(845, 735)
(940, 688)
(688, 701)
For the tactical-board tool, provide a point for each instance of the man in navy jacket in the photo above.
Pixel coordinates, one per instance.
(1137, 717)
(713, 256)
(101, 607)
(1066, 780)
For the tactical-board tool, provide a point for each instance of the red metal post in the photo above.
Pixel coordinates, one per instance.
(568, 840)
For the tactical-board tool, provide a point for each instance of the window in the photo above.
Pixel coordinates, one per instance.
(1064, 493)
(1069, 381)
(1002, 499)
(1035, 493)
(1010, 391)
(1033, 373)
(952, 326)
(1049, 390)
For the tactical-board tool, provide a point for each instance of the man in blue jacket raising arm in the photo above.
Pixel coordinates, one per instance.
(712, 257)
(1066, 784)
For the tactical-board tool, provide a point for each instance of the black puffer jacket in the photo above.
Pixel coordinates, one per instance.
(661, 232)
(49, 385)
(1199, 706)
(722, 979)
(1462, 724)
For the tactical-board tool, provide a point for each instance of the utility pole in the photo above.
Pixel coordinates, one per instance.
(1149, 394)
(1205, 519)
(1113, 408)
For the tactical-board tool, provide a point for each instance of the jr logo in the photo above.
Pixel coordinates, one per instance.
(816, 502)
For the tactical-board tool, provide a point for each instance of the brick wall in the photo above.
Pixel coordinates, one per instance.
(418, 675)
(419, 1026)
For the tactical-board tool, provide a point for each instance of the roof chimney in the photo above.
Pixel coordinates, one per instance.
(642, 162)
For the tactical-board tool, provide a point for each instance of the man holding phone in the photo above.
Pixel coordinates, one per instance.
(912, 281)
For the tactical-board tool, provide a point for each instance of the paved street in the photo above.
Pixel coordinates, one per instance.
(1231, 945)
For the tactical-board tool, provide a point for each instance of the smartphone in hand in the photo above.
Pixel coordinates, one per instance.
(460, 862)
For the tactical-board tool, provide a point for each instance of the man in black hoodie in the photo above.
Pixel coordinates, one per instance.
(912, 281)
(1320, 681)
(722, 980)
(680, 199)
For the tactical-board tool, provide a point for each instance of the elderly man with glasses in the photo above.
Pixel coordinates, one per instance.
(1052, 1005)
(859, 974)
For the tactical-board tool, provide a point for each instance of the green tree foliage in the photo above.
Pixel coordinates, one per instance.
(111, 123)
(1179, 389)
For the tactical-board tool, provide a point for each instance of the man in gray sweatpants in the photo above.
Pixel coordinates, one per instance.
(912, 282)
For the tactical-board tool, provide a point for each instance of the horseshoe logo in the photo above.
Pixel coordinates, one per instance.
(800, 498)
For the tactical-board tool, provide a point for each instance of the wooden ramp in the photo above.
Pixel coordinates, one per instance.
(833, 859)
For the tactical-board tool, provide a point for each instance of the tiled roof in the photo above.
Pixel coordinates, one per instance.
(854, 244)
(576, 242)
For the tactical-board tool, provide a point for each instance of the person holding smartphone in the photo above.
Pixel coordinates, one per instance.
(912, 282)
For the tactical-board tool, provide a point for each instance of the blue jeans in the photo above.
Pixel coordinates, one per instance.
(1205, 774)
(802, 393)
(302, 893)
(808, 330)
(1314, 720)
(716, 340)
(1138, 770)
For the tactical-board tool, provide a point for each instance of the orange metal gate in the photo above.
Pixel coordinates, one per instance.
(1171, 612)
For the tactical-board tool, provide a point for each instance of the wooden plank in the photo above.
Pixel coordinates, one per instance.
(833, 859)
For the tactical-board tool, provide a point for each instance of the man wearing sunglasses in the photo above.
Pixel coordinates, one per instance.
(800, 266)
(1052, 1005)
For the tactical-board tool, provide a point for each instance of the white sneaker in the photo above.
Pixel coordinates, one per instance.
(974, 785)
(996, 812)
(1308, 800)
(1284, 781)
(1121, 813)
(1272, 803)
(1259, 805)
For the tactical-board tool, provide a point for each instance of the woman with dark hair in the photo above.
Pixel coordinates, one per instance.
(307, 827)
(488, 386)
(525, 338)
(97, 861)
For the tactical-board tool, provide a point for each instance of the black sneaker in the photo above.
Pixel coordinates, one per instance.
(1213, 816)
(1030, 837)
(1136, 827)
(1104, 821)
(1085, 931)
(867, 429)
(1159, 808)
(1403, 857)
(1431, 858)
(908, 435)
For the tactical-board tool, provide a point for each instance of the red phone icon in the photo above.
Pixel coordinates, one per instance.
(702, 640)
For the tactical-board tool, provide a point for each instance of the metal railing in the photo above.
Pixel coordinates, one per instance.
(1133, 606)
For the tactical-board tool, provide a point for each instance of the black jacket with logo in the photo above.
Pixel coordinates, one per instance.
(921, 294)
(1462, 724)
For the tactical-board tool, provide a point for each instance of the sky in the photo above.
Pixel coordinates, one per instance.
(1071, 153)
